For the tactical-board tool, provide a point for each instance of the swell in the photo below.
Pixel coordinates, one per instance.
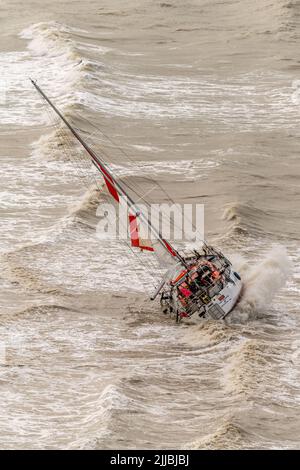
(53, 50)
(84, 213)
(16, 267)
(276, 17)
(37, 310)
(248, 223)
(208, 334)
(247, 220)
(60, 146)
(249, 368)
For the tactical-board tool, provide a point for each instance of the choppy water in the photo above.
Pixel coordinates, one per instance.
(204, 96)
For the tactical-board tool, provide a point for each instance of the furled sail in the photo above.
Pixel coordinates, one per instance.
(159, 244)
(109, 181)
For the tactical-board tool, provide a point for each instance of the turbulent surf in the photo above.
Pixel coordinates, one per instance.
(203, 97)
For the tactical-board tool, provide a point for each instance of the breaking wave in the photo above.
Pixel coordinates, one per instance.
(248, 368)
(42, 309)
(263, 280)
(208, 333)
(231, 362)
(246, 220)
(52, 146)
(42, 35)
(84, 212)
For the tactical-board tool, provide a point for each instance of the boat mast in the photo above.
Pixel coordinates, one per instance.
(101, 166)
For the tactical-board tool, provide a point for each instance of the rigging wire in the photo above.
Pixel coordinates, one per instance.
(84, 145)
(69, 144)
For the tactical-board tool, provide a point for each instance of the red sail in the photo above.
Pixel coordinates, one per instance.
(109, 182)
(136, 241)
(112, 189)
(115, 190)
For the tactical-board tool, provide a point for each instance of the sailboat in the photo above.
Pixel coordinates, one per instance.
(199, 283)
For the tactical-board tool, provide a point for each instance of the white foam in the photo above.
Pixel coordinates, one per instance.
(181, 169)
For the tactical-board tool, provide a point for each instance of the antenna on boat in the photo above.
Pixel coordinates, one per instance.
(113, 185)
